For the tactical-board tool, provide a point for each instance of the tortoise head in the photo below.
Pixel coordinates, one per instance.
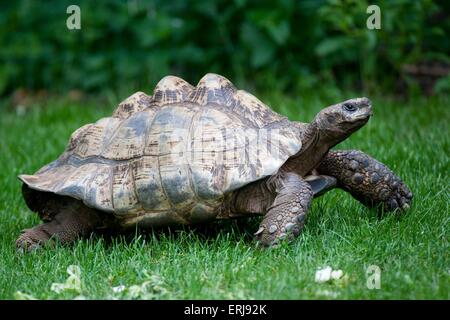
(337, 122)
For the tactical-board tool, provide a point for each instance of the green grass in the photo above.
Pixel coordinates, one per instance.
(411, 250)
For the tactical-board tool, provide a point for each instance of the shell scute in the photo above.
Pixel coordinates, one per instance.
(124, 195)
(170, 89)
(213, 88)
(134, 103)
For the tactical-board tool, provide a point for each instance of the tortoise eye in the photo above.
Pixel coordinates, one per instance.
(349, 107)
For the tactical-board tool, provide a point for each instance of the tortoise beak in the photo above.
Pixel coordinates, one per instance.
(369, 107)
(366, 104)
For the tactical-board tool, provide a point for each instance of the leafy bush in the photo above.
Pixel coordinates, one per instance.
(293, 45)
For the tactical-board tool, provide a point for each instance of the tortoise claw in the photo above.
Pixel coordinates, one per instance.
(260, 230)
(400, 198)
(25, 244)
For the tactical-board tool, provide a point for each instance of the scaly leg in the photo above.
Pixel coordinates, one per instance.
(284, 198)
(72, 222)
(366, 179)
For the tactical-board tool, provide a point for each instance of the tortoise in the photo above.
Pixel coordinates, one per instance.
(188, 155)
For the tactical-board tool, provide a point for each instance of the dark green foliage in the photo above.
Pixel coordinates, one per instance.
(295, 45)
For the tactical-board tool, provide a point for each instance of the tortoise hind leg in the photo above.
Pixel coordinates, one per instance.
(73, 221)
(366, 179)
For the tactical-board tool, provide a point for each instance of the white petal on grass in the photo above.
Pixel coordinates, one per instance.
(337, 274)
(328, 274)
(73, 282)
(323, 275)
(118, 289)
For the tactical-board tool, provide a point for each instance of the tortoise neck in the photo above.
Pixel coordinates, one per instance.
(310, 137)
(318, 135)
(315, 144)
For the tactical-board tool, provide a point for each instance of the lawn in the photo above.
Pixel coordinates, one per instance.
(222, 262)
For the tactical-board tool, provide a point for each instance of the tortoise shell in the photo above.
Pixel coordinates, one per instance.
(174, 156)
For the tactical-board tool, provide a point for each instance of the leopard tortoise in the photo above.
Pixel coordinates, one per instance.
(190, 155)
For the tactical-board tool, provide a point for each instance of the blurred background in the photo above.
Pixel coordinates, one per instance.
(320, 47)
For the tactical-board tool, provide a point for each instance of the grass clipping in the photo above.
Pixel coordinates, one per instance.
(73, 282)
(333, 277)
(152, 288)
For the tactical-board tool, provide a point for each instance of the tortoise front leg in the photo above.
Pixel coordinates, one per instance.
(366, 179)
(285, 198)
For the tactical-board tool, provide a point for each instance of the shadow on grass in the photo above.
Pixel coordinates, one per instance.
(236, 230)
